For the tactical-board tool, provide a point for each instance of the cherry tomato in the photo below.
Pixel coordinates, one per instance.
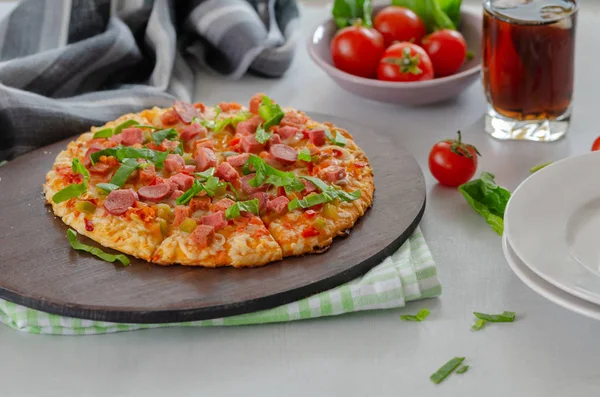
(405, 62)
(447, 50)
(596, 145)
(399, 24)
(357, 50)
(453, 162)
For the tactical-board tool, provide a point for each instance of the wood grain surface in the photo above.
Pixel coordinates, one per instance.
(39, 269)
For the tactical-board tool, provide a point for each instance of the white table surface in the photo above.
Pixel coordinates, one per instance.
(549, 351)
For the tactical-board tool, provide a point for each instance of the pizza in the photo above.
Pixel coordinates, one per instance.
(226, 185)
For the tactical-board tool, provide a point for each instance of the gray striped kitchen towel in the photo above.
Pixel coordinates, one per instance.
(68, 64)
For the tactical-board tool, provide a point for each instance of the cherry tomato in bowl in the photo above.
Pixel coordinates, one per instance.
(453, 162)
(399, 24)
(357, 50)
(405, 62)
(596, 145)
(447, 50)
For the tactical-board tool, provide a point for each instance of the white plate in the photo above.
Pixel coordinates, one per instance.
(547, 290)
(552, 223)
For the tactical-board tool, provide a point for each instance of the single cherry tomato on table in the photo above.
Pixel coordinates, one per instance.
(453, 162)
(447, 50)
(405, 62)
(357, 50)
(399, 24)
(596, 145)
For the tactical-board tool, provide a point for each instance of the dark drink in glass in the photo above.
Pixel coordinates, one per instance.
(528, 67)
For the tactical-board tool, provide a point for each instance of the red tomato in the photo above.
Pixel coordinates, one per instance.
(447, 50)
(399, 24)
(596, 145)
(310, 231)
(357, 50)
(452, 162)
(405, 62)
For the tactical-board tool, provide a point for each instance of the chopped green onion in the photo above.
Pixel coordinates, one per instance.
(446, 369)
(77, 245)
(271, 113)
(338, 140)
(235, 210)
(262, 136)
(478, 325)
(103, 133)
(161, 135)
(539, 167)
(505, 317)
(304, 155)
(420, 316)
(462, 369)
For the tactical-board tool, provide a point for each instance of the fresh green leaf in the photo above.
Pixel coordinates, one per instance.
(446, 370)
(462, 369)
(211, 185)
(478, 325)
(539, 167)
(488, 199)
(332, 191)
(452, 9)
(107, 187)
(346, 12)
(79, 168)
(179, 149)
(121, 153)
(505, 317)
(420, 316)
(235, 210)
(304, 155)
(190, 193)
(117, 130)
(262, 136)
(430, 12)
(310, 201)
(233, 120)
(205, 174)
(338, 139)
(77, 245)
(124, 171)
(103, 133)
(74, 190)
(270, 112)
(267, 174)
(161, 135)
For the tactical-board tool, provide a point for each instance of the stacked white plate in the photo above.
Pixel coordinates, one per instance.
(552, 233)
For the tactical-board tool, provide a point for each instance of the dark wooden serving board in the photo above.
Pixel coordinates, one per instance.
(39, 269)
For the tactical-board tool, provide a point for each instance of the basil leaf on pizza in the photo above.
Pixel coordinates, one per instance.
(75, 189)
(161, 135)
(270, 112)
(262, 136)
(235, 210)
(78, 245)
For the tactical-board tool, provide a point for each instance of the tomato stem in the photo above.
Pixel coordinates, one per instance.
(407, 63)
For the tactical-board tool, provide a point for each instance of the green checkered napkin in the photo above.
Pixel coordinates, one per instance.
(409, 274)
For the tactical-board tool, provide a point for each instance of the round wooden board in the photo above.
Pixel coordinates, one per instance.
(38, 268)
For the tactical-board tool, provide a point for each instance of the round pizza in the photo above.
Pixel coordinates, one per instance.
(211, 186)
